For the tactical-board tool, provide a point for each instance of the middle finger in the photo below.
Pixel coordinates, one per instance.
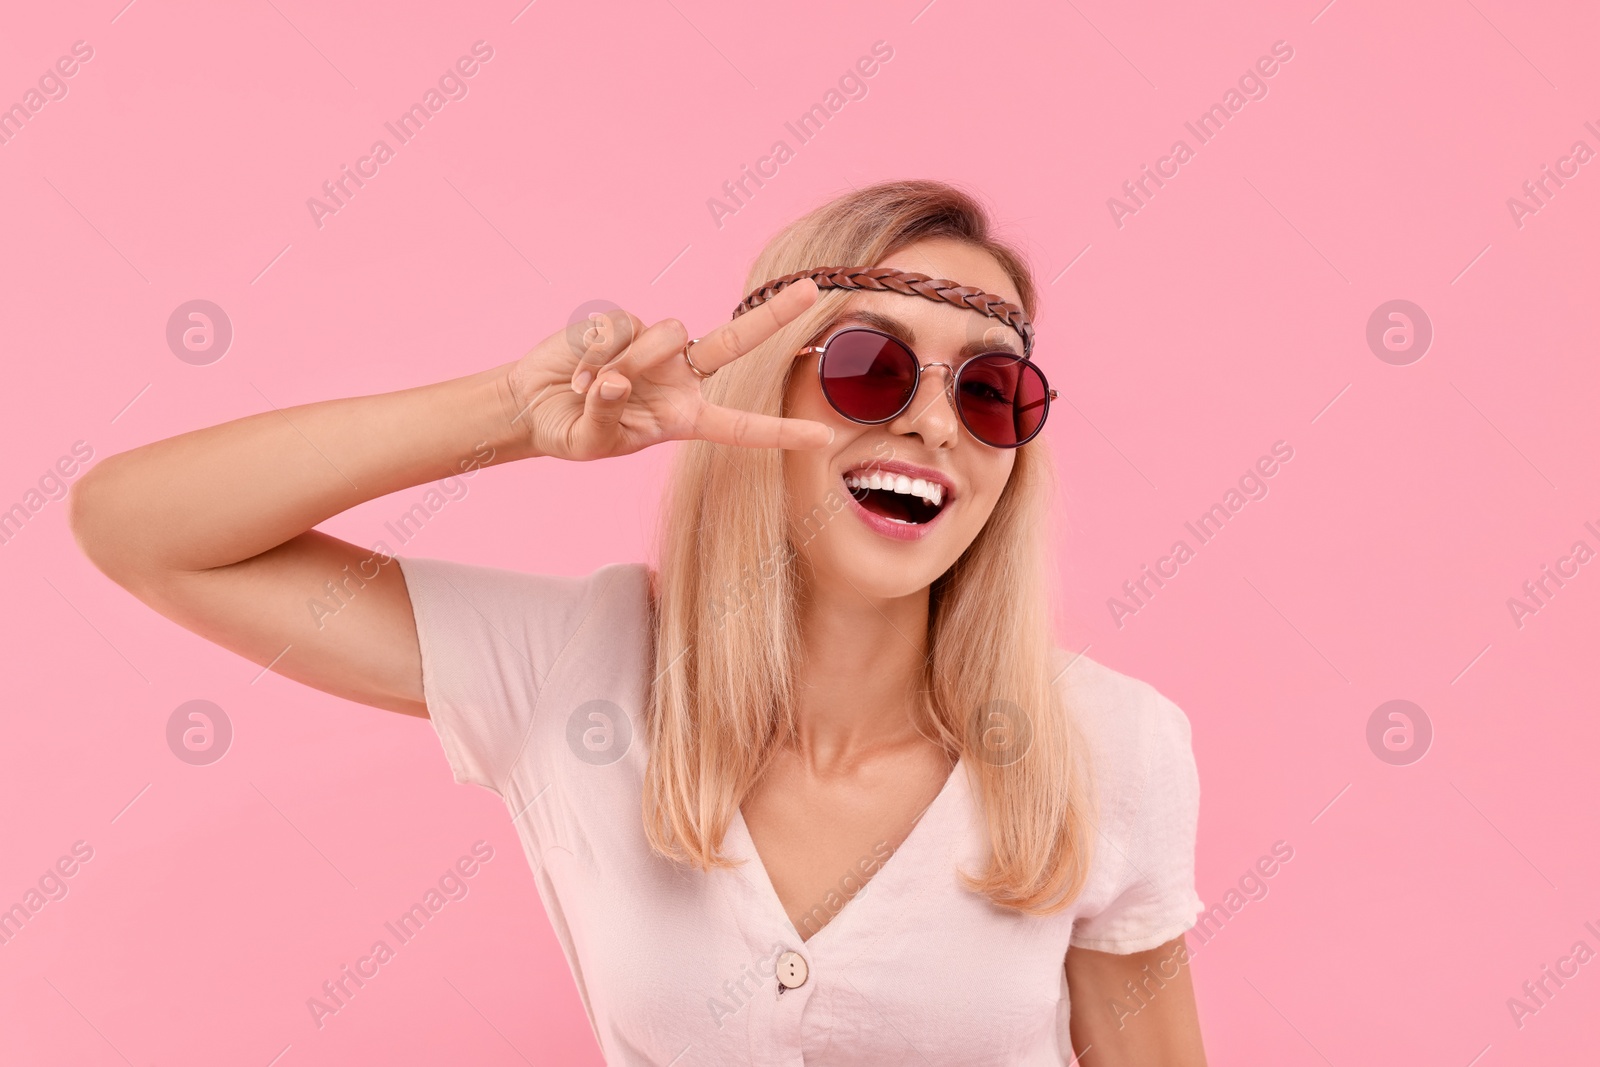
(733, 339)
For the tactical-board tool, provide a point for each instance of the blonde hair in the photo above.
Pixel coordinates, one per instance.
(727, 644)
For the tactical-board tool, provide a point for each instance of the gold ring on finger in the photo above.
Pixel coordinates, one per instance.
(689, 361)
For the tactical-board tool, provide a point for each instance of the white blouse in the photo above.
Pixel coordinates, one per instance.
(536, 686)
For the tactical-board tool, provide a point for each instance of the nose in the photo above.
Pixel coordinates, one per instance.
(932, 412)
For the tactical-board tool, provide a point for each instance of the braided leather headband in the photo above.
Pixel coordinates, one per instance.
(902, 281)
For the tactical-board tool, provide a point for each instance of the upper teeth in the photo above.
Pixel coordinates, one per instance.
(932, 492)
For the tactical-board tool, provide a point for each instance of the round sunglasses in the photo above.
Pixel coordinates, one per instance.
(870, 377)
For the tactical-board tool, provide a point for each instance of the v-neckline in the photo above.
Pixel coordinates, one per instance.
(755, 871)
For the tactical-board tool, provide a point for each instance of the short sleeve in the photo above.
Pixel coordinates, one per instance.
(489, 639)
(1154, 898)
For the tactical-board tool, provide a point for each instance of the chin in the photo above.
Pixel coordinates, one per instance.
(881, 544)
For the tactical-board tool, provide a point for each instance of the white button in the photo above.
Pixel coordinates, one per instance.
(792, 970)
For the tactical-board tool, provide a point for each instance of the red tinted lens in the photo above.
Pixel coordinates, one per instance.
(867, 376)
(1002, 399)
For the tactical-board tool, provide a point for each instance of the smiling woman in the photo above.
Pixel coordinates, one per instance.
(884, 684)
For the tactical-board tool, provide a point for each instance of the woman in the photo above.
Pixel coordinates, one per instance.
(821, 788)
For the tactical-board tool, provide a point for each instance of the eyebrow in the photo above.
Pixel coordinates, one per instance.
(900, 331)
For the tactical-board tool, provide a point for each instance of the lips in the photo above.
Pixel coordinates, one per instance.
(898, 499)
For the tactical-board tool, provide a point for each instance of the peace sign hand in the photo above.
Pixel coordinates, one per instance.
(618, 387)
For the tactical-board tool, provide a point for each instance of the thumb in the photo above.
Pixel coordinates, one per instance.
(603, 403)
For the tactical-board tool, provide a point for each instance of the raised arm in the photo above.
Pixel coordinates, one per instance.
(215, 528)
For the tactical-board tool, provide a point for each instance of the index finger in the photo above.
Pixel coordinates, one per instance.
(750, 429)
(733, 339)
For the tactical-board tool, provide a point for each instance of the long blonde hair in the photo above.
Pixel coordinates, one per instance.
(727, 644)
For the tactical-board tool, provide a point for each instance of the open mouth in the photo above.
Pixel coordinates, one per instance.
(897, 497)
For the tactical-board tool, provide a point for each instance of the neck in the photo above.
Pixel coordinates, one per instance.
(860, 674)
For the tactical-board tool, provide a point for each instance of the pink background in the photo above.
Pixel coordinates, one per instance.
(1229, 313)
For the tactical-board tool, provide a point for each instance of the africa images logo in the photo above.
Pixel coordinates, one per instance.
(451, 85)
